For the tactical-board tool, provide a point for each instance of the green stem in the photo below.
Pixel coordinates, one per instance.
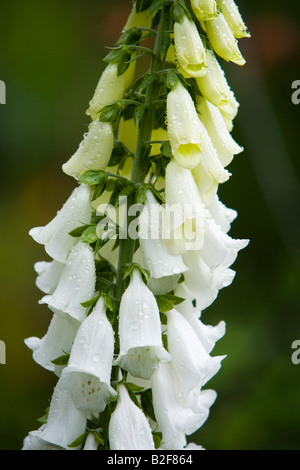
(140, 164)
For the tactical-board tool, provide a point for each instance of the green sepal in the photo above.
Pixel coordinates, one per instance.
(90, 235)
(79, 441)
(61, 360)
(128, 273)
(157, 439)
(147, 403)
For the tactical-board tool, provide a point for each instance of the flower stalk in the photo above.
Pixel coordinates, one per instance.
(141, 247)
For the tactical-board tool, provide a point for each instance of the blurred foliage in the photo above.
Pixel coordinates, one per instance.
(51, 59)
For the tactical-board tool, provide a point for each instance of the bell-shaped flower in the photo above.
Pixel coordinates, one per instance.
(191, 362)
(90, 364)
(158, 259)
(215, 125)
(111, 86)
(222, 215)
(219, 249)
(76, 284)
(204, 9)
(55, 236)
(189, 49)
(210, 158)
(65, 422)
(223, 41)
(128, 427)
(56, 343)
(214, 87)
(184, 128)
(32, 442)
(94, 151)
(49, 273)
(208, 335)
(174, 418)
(185, 209)
(233, 17)
(141, 348)
(203, 289)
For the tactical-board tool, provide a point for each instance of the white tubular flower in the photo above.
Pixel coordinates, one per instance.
(223, 40)
(111, 87)
(158, 259)
(141, 347)
(55, 236)
(189, 48)
(219, 249)
(183, 127)
(94, 151)
(48, 275)
(76, 285)
(65, 422)
(56, 342)
(175, 420)
(31, 442)
(214, 87)
(185, 207)
(89, 368)
(204, 9)
(221, 138)
(233, 17)
(191, 362)
(128, 426)
(208, 335)
(210, 158)
(222, 215)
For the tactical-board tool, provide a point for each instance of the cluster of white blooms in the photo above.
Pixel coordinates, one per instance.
(132, 374)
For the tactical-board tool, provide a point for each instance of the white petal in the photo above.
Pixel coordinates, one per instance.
(190, 360)
(111, 87)
(222, 215)
(223, 41)
(56, 342)
(173, 418)
(90, 364)
(232, 15)
(189, 48)
(65, 422)
(74, 213)
(76, 285)
(216, 127)
(157, 257)
(141, 347)
(208, 335)
(48, 275)
(94, 151)
(183, 127)
(204, 9)
(128, 427)
(214, 87)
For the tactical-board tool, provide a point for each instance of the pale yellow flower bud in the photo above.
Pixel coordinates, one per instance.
(233, 17)
(223, 41)
(214, 87)
(94, 151)
(111, 87)
(142, 19)
(204, 9)
(189, 49)
(184, 128)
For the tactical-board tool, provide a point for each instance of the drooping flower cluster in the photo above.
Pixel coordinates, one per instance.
(126, 341)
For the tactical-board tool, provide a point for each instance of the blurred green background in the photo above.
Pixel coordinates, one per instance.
(51, 59)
